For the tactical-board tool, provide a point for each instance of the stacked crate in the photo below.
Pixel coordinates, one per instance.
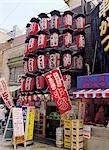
(67, 133)
(73, 134)
(77, 135)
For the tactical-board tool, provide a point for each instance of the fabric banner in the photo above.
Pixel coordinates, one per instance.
(30, 123)
(4, 93)
(58, 90)
(18, 125)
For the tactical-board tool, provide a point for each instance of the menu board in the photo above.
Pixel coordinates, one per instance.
(18, 125)
(30, 123)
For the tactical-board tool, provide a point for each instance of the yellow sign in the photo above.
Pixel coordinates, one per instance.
(104, 26)
(30, 124)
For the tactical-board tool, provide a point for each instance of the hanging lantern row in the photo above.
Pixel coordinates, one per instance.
(42, 62)
(40, 41)
(30, 84)
(44, 23)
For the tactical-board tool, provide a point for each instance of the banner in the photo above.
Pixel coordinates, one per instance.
(4, 93)
(18, 125)
(30, 123)
(58, 90)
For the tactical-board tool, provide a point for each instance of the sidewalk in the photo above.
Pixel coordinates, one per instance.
(36, 146)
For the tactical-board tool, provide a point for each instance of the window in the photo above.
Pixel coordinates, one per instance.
(14, 72)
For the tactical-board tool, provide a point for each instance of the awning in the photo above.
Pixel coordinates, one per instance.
(99, 93)
(13, 88)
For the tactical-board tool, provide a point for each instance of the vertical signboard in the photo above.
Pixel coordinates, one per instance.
(4, 93)
(18, 125)
(30, 123)
(58, 90)
(104, 25)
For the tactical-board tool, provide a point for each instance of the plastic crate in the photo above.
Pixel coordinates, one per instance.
(77, 138)
(67, 124)
(77, 145)
(67, 132)
(77, 123)
(67, 144)
(76, 131)
(67, 139)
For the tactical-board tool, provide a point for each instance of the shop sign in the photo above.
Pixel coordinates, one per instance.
(18, 125)
(104, 25)
(93, 81)
(58, 90)
(4, 93)
(30, 123)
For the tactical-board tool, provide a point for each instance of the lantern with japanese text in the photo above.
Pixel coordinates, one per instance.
(80, 22)
(55, 19)
(67, 37)
(23, 82)
(26, 66)
(27, 29)
(42, 39)
(80, 40)
(41, 61)
(77, 62)
(40, 82)
(32, 45)
(32, 65)
(53, 59)
(34, 26)
(26, 52)
(68, 19)
(43, 21)
(54, 38)
(30, 83)
(67, 59)
(67, 79)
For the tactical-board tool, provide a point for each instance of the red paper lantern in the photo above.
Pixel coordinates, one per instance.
(32, 65)
(53, 60)
(67, 37)
(77, 62)
(26, 66)
(29, 85)
(41, 62)
(40, 82)
(23, 82)
(68, 80)
(55, 19)
(80, 22)
(67, 18)
(80, 40)
(42, 39)
(54, 38)
(32, 45)
(34, 26)
(43, 21)
(67, 59)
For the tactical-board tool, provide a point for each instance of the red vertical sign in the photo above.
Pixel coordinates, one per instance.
(58, 90)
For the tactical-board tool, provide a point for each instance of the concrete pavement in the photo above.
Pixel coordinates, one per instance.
(36, 146)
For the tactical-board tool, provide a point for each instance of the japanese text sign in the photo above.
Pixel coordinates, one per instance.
(104, 26)
(4, 93)
(93, 81)
(58, 90)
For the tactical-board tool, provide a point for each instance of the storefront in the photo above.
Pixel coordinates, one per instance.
(93, 94)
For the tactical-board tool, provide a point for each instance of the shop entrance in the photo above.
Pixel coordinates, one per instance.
(52, 120)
